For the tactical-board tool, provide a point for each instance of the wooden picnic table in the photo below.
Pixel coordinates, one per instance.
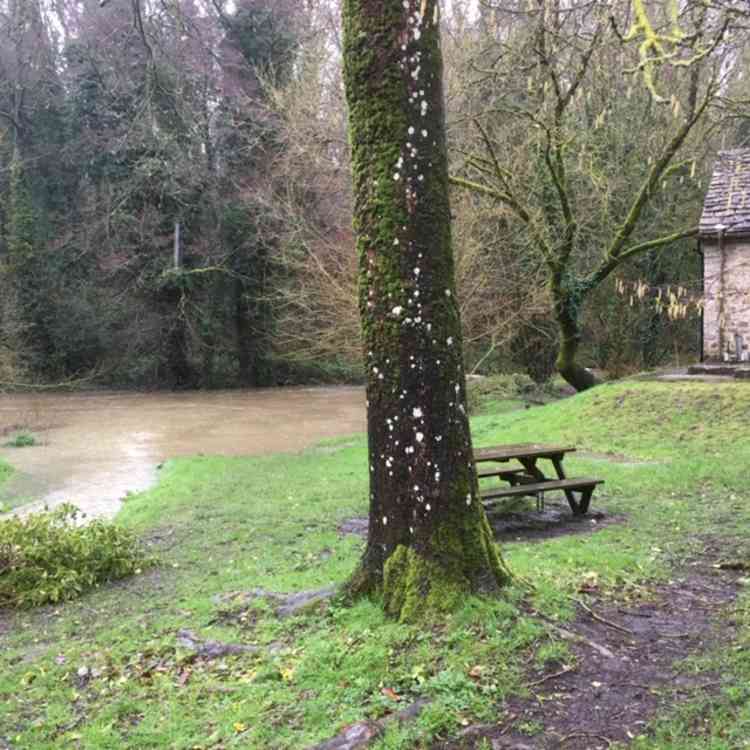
(529, 479)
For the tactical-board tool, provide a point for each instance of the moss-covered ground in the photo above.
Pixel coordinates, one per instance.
(107, 672)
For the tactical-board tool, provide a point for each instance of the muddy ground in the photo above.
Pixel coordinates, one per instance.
(627, 666)
(524, 524)
(628, 658)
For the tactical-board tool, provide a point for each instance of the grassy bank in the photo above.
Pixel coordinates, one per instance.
(6, 470)
(108, 672)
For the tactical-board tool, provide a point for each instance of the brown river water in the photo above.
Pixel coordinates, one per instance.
(96, 447)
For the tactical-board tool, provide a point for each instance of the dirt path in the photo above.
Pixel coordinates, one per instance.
(626, 668)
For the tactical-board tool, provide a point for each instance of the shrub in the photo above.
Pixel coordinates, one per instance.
(49, 557)
(22, 440)
(534, 347)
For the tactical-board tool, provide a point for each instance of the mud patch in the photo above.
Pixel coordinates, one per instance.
(555, 520)
(523, 523)
(356, 526)
(617, 458)
(624, 669)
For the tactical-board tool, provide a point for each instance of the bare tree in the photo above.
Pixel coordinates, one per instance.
(584, 182)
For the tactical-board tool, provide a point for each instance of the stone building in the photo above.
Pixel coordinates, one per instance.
(725, 242)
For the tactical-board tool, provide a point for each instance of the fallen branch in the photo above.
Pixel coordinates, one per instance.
(629, 613)
(733, 565)
(553, 676)
(574, 735)
(568, 636)
(601, 619)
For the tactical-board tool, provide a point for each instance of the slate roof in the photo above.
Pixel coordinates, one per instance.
(728, 199)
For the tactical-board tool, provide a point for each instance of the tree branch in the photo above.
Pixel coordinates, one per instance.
(609, 265)
(509, 201)
(12, 120)
(654, 176)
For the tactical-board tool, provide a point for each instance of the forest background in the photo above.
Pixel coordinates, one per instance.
(175, 205)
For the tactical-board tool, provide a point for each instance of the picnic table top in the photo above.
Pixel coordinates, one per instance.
(520, 450)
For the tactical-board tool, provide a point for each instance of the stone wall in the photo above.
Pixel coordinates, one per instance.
(727, 299)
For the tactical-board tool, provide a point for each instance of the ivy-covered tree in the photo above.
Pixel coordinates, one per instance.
(429, 543)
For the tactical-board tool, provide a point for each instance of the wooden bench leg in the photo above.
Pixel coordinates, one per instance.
(531, 468)
(580, 507)
(585, 500)
(573, 503)
(569, 496)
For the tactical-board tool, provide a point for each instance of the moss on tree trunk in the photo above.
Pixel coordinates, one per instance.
(568, 298)
(567, 363)
(429, 543)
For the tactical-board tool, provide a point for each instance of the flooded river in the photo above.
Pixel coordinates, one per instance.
(96, 447)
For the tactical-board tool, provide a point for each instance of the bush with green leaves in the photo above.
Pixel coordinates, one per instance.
(50, 556)
(534, 347)
(22, 440)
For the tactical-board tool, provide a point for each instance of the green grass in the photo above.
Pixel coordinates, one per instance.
(9, 498)
(231, 524)
(502, 393)
(6, 471)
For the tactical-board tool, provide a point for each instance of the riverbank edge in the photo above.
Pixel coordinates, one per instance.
(6, 471)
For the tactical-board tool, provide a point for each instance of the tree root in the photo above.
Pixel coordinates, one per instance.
(360, 735)
(212, 649)
(284, 605)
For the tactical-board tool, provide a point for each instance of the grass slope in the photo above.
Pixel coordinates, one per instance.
(6, 471)
(105, 672)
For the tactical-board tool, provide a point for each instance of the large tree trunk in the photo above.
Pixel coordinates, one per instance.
(429, 543)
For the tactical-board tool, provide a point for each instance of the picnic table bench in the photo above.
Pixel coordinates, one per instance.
(529, 479)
